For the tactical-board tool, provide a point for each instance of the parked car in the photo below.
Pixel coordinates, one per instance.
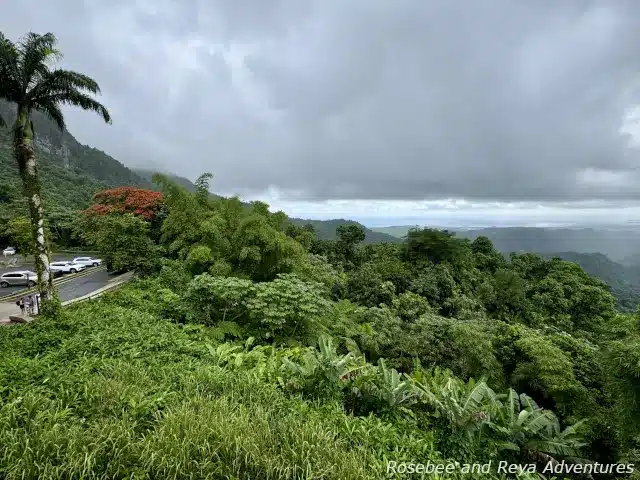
(87, 261)
(18, 278)
(66, 267)
(9, 251)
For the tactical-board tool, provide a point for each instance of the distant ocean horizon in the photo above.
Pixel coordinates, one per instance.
(458, 223)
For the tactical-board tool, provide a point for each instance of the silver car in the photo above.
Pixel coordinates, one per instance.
(18, 278)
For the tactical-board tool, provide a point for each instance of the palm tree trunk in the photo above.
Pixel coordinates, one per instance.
(25, 154)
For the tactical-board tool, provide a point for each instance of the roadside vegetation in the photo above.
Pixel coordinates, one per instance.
(249, 349)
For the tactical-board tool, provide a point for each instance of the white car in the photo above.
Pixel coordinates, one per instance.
(9, 251)
(66, 267)
(87, 261)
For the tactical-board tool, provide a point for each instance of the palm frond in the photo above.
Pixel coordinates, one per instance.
(9, 72)
(35, 52)
(527, 402)
(573, 430)
(507, 446)
(522, 417)
(53, 112)
(513, 406)
(76, 99)
(543, 420)
(61, 81)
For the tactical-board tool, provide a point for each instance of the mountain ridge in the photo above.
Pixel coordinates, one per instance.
(62, 148)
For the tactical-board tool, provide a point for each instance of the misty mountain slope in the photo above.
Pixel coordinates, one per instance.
(62, 150)
(622, 245)
(326, 230)
(616, 244)
(147, 174)
(63, 187)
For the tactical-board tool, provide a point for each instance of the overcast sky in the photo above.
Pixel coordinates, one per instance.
(402, 107)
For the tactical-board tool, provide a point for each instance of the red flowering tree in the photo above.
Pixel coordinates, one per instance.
(138, 201)
(124, 225)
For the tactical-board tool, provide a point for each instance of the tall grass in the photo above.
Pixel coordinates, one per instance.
(109, 391)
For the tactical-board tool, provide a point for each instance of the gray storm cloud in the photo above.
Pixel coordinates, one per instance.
(410, 99)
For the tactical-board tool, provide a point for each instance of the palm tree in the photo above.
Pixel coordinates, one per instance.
(28, 81)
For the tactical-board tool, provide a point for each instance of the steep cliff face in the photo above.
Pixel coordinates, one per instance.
(63, 150)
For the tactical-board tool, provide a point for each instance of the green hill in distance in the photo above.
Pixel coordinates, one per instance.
(395, 231)
(326, 230)
(147, 174)
(624, 280)
(621, 245)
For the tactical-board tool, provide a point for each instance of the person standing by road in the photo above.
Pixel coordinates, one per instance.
(20, 304)
(29, 305)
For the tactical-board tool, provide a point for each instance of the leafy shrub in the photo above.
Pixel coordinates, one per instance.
(285, 307)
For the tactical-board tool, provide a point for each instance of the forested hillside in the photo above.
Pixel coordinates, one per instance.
(147, 174)
(70, 174)
(251, 349)
(63, 150)
(623, 280)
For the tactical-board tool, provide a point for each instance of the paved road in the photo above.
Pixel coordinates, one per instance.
(71, 289)
(83, 285)
(76, 288)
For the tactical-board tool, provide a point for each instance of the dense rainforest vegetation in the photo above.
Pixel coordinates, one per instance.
(624, 280)
(590, 248)
(250, 348)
